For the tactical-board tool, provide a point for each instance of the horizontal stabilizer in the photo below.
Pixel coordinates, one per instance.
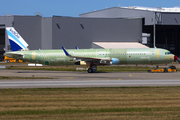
(13, 55)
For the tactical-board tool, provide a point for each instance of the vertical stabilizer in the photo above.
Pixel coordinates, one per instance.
(16, 41)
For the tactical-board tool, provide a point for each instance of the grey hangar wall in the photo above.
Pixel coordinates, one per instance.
(165, 25)
(55, 32)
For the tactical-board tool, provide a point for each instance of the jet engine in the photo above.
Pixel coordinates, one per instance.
(114, 61)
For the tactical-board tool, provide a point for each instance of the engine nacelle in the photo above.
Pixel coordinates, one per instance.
(114, 61)
(80, 63)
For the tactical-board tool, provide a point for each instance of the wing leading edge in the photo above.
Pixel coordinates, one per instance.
(88, 59)
(78, 57)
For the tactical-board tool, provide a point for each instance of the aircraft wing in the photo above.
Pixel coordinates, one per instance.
(87, 59)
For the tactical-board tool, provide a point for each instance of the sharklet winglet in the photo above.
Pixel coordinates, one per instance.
(67, 54)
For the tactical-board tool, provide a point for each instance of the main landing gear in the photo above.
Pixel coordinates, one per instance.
(92, 68)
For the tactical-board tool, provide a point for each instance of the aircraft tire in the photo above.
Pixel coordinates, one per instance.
(90, 70)
(94, 71)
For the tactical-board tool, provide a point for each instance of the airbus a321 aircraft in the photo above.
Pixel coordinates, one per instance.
(89, 57)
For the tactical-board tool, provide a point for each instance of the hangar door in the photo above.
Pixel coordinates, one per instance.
(2, 43)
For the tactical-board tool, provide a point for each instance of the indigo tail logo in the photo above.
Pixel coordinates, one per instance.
(16, 41)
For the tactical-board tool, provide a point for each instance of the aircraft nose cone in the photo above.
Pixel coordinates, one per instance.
(175, 58)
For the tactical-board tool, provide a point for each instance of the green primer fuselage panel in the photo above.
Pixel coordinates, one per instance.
(125, 56)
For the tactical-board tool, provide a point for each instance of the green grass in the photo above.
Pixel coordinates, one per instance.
(52, 68)
(162, 103)
(99, 68)
(124, 68)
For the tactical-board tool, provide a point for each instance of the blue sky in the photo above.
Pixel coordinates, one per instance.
(73, 7)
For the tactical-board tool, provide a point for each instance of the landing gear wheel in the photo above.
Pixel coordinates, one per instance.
(90, 70)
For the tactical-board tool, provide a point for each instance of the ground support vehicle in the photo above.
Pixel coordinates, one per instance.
(8, 59)
(160, 70)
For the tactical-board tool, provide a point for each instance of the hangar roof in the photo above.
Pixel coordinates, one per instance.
(147, 9)
(158, 9)
(160, 16)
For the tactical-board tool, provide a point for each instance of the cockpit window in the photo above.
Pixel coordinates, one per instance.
(167, 53)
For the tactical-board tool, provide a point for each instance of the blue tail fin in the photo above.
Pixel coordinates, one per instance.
(16, 41)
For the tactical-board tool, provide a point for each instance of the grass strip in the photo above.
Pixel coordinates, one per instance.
(102, 110)
(99, 68)
(96, 103)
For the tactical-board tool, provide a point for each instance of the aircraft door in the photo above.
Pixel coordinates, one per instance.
(157, 52)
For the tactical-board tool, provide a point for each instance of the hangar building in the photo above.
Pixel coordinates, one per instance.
(162, 24)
